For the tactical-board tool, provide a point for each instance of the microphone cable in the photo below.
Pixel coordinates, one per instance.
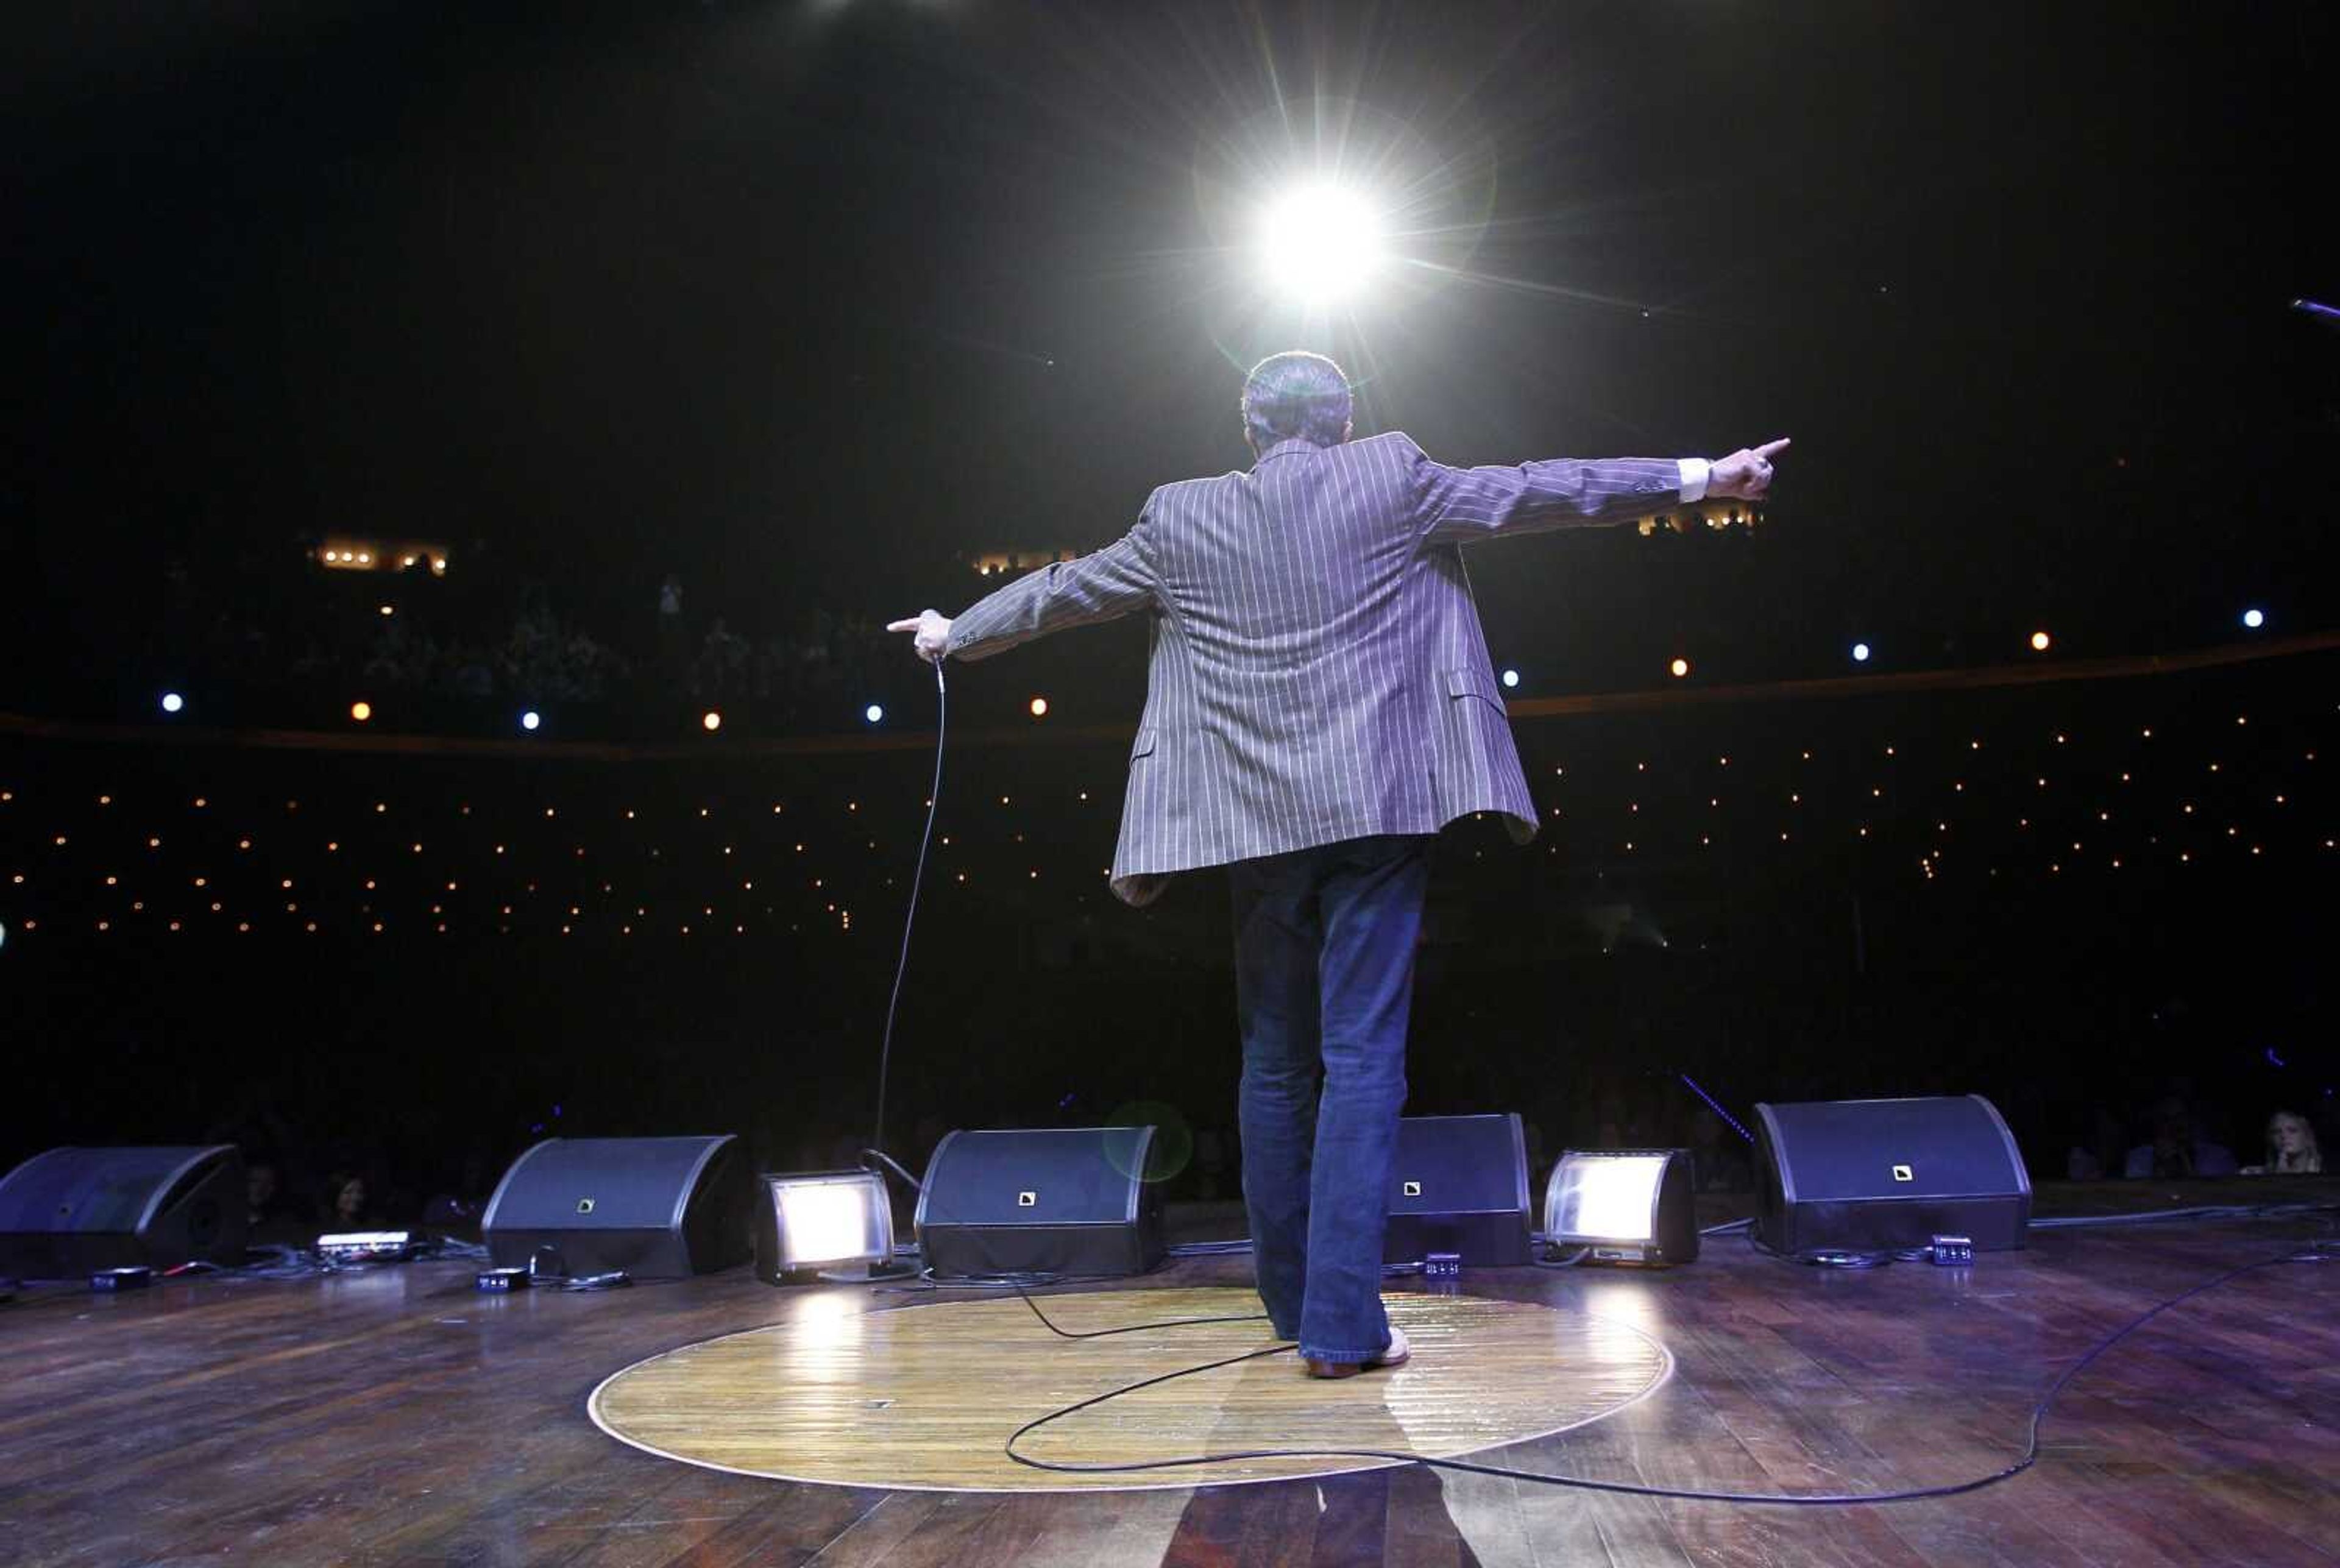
(910, 916)
(877, 1151)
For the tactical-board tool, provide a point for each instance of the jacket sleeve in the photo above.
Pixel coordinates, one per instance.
(1099, 586)
(1458, 505)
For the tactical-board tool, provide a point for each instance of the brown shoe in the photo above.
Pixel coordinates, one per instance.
(1393, 1354)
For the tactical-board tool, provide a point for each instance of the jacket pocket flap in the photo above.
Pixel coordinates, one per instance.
(1468, 682)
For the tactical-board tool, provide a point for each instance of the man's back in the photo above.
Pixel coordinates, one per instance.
(1318, 670)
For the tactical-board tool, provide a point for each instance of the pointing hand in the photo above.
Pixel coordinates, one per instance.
(931, 634)
(1745, 474)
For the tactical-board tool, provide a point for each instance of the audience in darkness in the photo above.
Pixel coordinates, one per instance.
(2177, 1150)
(489, 640)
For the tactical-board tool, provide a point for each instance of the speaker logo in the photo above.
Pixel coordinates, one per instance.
(1413, 1189)
(1026, 1200)
(1903, 1173)
(584, 1206)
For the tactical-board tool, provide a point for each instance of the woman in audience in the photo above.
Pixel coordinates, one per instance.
(2291, 1147)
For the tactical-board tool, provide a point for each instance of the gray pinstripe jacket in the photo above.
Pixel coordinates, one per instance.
(1318, 670)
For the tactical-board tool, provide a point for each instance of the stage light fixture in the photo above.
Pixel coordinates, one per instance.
(1511, 678)
(173, 702)
(531, 719)
(824, 1220)
(2253, 618)
(389, 610)
(1680, 667)
(361, 711)
(873, 713)
(368, 1245)
(1319, 242)
(1860, 653)
(1040, 708)
(711, 721)
(1627, 1206)
(2039, 640)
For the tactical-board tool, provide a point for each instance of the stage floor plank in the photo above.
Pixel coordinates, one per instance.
(398, 1417)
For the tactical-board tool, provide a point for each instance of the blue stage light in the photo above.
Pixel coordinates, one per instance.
(531, 719)
(173, 702)
(873, 713)
(1860, 653)
(2253, 618)
(1511, 678)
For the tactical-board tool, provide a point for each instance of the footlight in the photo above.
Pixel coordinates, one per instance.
(831, 1224)
(1630, 1206)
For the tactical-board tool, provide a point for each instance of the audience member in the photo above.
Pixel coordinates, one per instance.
(346, 1204)
(2291, 1147)
(2177, 1151)
(1720, 1164)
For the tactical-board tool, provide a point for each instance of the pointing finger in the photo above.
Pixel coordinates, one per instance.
(1767, 448)
(909, 625)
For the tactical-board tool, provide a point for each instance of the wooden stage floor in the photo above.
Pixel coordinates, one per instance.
(396, 1416)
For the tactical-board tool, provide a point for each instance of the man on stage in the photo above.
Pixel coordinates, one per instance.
(1319, 704)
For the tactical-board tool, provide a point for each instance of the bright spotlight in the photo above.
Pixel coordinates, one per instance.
(1040, 708)
(531, 719)
(361, 711)
(2253, 618)
(2039, 640)
(1860, 653)
(389, 610)
(873, 713)
(830, 1219)
(1680, 667)
(711, 721)
(1319, 242)
(1511, 678)
(1630, 1206)
(173, 702)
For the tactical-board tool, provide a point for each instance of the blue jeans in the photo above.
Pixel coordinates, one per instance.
(1325, 943)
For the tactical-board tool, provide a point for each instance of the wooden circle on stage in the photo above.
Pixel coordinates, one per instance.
(925, 1396)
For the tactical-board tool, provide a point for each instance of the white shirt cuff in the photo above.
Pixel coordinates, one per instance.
(1694, 472)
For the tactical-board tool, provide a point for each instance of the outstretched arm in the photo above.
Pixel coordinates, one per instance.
(1106, 583)
(1456, 505)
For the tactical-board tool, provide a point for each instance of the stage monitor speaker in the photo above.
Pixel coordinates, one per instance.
(1064, 1201)
(1458, 1185)
(1871, 1176)
(70, 1212)
(659, 1209)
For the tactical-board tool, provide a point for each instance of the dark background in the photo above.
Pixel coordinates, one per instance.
(807, 302)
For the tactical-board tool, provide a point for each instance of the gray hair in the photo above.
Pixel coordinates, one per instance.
(1295, 395)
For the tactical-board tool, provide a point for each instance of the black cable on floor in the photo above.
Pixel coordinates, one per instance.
(2030, 1456)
